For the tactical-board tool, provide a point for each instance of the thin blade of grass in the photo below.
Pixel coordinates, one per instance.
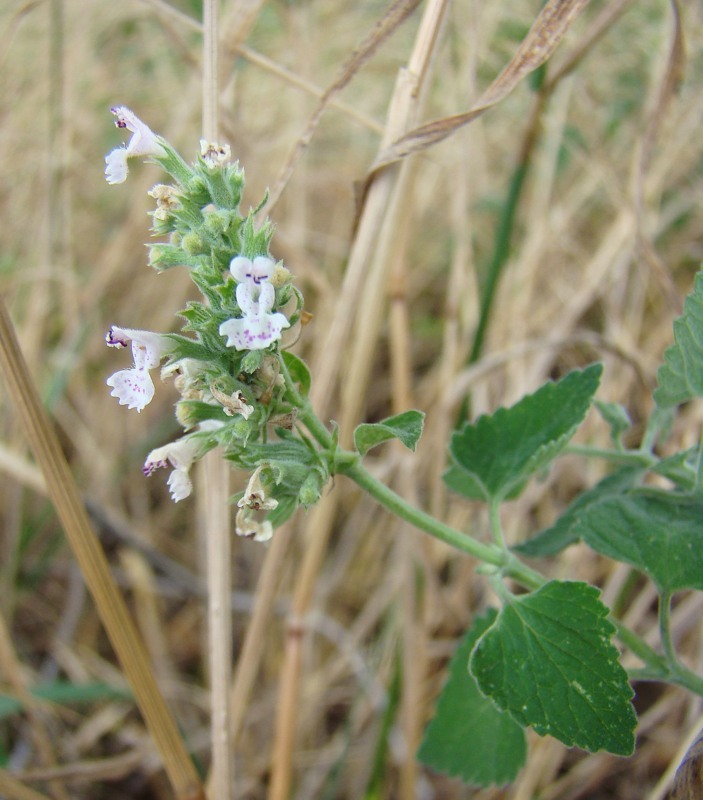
(542, 39)
(109, 603)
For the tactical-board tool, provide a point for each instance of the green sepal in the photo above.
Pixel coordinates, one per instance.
(172, 162)
(167, 256)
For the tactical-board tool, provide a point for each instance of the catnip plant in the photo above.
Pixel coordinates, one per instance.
(547, 658)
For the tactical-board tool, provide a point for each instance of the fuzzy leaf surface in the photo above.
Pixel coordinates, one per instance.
(564, 532)
(407, 427)
(548, 661)
(657, 532)
(470, 737)
(499, 452)
(680, 377)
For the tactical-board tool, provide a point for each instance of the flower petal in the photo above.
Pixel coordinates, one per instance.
(253, 332)
(116, 166)
(179, 484)
(132, 387)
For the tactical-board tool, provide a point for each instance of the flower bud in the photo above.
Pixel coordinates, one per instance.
(193, 244)
(311, 489)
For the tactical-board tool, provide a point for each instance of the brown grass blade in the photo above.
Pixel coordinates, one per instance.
(94, 567)
(396, 13)
(670, 82)
(539, 44)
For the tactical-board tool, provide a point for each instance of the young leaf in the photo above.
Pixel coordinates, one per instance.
(406, 426)
(563, 533)
(681, 375)
(549, 662)
(616, 417)
(470, 737)
(299, 371)
(499, 452)
(657, 532)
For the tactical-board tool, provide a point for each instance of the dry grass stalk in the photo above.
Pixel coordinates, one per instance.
(94, 567)
(216, 527)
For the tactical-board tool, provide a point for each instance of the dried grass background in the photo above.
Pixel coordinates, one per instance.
(342, 627)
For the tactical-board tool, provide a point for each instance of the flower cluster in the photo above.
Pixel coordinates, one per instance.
(229, 361)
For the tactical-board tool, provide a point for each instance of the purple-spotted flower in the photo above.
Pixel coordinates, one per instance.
(258, 328)
(181, 455)
(134, 387)
(144, 142)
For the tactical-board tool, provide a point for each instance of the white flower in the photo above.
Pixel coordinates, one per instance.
(134, 387)
(214, 155)
(258, 328)
(144, 142)
(181, 455)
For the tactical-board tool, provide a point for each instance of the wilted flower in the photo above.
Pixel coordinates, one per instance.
(250, 528)
(258, 328)
(134, 387)
(214, 155)
(166, 200)
(235, 403)
(144, 142)
(255, 497)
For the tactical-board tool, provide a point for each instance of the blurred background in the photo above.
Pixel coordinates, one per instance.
(579, 197)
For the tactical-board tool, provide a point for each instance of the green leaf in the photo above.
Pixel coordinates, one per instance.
(470, 737)
(298, 370)
(658, 532)
(407, 427)
(563, 533)
(681, 375)
(464, 483)
(499, 452)
(548, 661)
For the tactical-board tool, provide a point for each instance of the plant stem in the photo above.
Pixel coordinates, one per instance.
(678, 673)
(394, 503)
(665, 626)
